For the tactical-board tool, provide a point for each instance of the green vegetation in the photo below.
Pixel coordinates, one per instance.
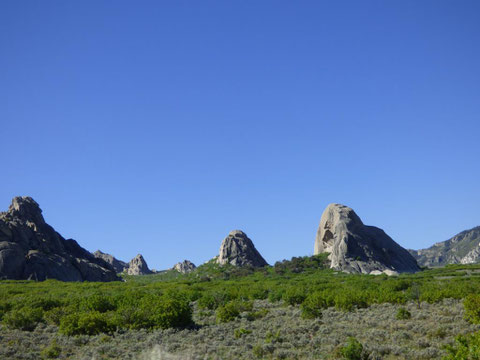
(52, 351)
(353, 350)
(472, 308)
(466, 347)
(226, 294)
(403, 314)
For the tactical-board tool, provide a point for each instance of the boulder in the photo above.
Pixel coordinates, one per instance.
(184, 267)
(358, 248)
(138, 266)
(238, 250)
(32, 249)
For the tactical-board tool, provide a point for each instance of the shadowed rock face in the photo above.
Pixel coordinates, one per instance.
(138, 266)
(463, 248)
(32, 249)
(184, 267)
(118, 265)
(237, 249)
(357, 248)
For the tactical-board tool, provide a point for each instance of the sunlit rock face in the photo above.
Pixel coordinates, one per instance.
(32, 249)
(237, 249)
(184, 267)
(358, 248)
(138, 266)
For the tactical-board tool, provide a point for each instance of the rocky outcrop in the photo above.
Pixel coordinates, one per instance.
(463, 248)
(32, 249)
(357, 248)
(238, 250)
(138, 266)
(184, 267)
(119, 265)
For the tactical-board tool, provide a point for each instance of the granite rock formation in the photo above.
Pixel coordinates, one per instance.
(358, 248)
(238, 250)
(32, 249)
(119, 265)
(184, 267)
(138, 266)
(463, 248)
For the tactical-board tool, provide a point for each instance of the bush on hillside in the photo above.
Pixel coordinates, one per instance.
(353, 350)
(24, 318)
(466, 347)
(90, 323)
(403, 314)
(472, 308)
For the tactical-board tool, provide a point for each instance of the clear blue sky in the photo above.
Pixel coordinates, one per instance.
(156, 127)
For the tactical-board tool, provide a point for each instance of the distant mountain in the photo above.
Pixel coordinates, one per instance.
(32, 249)
(463, 248)
(358, 248)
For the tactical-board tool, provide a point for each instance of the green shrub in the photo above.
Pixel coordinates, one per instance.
(258, 351)
(100, 303)
(52, 351)
(353, 350)
(228, 312)
(403, 314)
(472, 308)
(294, 295)
(238, 333)
(24, 318)
(207, 301)
(91, 323)
(44, 303)
(275, 295)
(55, 315)
(169, 312)
(273, 337)
(466, 347)
(154, 312)
(4, 308)
(347, 300)
(255, 315)
(314, 304)
(259, 293)
(213, 300)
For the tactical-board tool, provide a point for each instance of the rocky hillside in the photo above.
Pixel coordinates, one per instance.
(32, 249)
(119, 265)
(358, 248)
(136, 266)
(238, 250)
(463, 248)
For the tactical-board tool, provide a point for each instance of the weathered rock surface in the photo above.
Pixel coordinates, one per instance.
(463, 248)
(138, 266)
(184, 267)
(238, 250)
(357, 248)
(119, 265)
(32, 249)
